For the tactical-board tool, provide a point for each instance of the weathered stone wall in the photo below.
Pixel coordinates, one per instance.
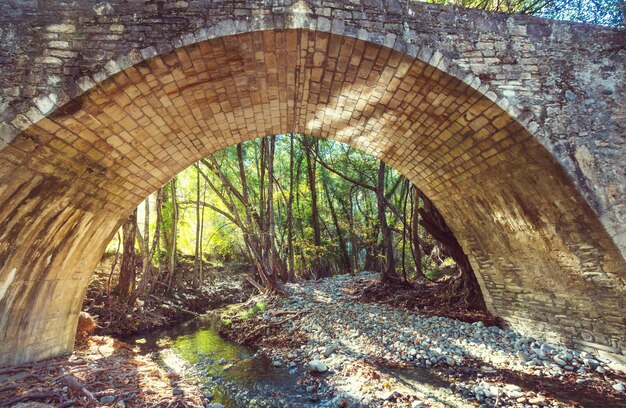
(513, 125)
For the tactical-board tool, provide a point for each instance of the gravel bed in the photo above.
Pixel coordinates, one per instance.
(373, 354)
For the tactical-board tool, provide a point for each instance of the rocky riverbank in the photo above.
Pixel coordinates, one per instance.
(351, 353)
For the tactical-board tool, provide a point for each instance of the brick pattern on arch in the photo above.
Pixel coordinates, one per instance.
(562, 81)
(544, 261)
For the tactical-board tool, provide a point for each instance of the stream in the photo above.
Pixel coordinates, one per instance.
(237, 376)
(232, 374)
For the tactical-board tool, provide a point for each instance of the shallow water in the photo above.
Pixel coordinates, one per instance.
(195, 349)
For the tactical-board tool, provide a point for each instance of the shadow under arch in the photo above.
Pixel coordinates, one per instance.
(543, 260)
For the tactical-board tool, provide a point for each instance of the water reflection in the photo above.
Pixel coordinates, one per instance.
(234, 374)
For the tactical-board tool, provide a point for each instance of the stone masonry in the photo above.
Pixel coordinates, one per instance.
(513, 125)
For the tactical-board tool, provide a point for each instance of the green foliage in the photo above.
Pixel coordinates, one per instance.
(603, 12)
(238, 312)
(506, 6)
(431, 270)
(251, 311)
(167, 211)
(347, 208)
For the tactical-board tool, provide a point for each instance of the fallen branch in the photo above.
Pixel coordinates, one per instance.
(259, 329)
(9, 387)
(73, 383)
(37, 377)
(182, 309)
(69, 403)
(36, 395)
(254, 283)
(278, 323)
(284, 312)
(10, 370)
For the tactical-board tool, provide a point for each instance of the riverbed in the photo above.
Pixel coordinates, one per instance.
(228, 373)
(332, 351)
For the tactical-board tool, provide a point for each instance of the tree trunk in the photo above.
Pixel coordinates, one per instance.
(388, 274)
(311, 170)
(147, 278)
(311, 148)
(173, 237)
(197, 261)
(126, 284)
(468, 290)
(273, 263)
(406, 191)
(159, 237)
(415, 237)
(114, 264)
(290, 254)
(343, 250)
(146, 222)
(201, 238)
(354, 242)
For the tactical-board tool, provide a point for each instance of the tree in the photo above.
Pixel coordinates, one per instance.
(173, 236)
(290, 236)
(388, 274)
(197, 265)
(318, 267)
(254, 220)
(603, 12)
(297, 207)
(148, 279)
(467, 288)
(126, 283)
(415, 238)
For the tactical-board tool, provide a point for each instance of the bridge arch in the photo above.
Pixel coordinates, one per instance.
(88, 155)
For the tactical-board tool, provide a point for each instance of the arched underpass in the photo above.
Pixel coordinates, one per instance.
(544, 260)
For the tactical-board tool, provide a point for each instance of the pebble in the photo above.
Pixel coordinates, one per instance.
(330, 349)
(342, 332)
(317, 366)
(391, 395)
(109, 399)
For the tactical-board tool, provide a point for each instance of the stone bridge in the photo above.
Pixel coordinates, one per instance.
(513, 125)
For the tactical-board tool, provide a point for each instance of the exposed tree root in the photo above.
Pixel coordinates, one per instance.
(73, 383)
(103, 368)
(31, 396)
(440, 298)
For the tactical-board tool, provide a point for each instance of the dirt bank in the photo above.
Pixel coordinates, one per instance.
(119, 318)
(105, 372)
